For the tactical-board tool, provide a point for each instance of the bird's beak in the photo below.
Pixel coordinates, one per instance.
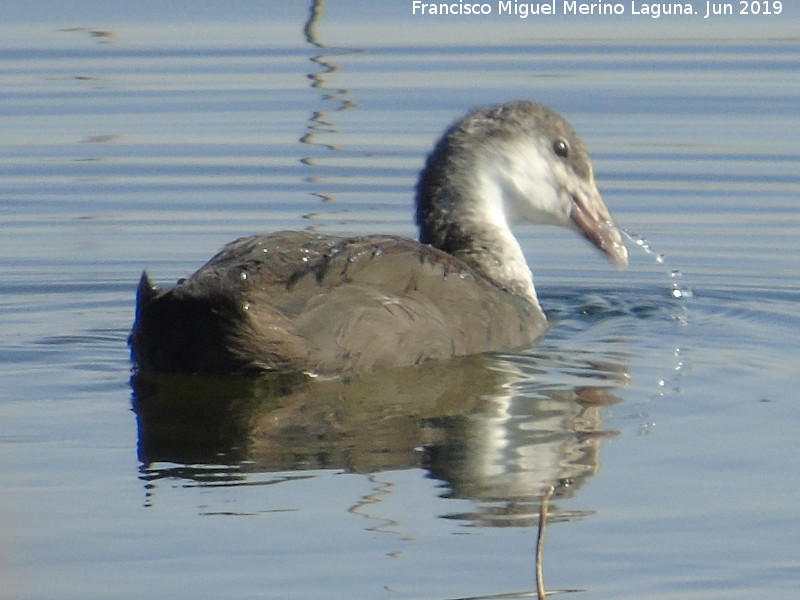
(593, 219)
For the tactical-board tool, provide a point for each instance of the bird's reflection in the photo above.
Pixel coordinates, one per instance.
(485, 426)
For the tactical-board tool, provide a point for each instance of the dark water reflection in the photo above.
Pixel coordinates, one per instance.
(462, 421)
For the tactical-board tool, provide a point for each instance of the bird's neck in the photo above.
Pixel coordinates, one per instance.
(495, 252)
(469, 221)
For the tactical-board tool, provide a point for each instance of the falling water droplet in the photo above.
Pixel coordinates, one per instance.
(678, 291)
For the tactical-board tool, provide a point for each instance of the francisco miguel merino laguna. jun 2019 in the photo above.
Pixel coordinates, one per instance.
(653, 10)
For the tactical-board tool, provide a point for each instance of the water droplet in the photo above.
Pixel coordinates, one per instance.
(679, 292)
(646, 428)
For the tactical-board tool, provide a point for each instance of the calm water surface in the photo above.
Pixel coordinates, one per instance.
(667, 425)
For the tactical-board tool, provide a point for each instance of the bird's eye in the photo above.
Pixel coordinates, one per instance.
(561, 148)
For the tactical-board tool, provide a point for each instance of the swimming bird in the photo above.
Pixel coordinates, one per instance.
(319, 304)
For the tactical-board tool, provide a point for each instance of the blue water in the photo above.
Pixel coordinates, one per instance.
(147, 135)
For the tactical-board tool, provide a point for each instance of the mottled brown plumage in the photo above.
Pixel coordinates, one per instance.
(326, 304)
